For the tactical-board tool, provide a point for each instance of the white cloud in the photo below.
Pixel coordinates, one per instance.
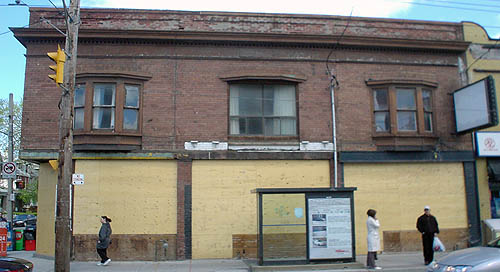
(364, 8)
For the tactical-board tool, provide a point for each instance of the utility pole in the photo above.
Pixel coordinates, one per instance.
(11, 159)
(65, 160)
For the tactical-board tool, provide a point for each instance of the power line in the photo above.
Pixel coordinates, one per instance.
(450, 7)
(480, 57)
(462, 3)
(6, 32)
(53, 3)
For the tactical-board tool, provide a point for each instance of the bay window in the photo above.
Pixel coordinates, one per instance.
(108, 111)
(402, 107)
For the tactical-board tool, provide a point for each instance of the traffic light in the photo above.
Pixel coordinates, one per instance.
(20, 184)
(59, 58)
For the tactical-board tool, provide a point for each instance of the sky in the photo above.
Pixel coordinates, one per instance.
(483, 12)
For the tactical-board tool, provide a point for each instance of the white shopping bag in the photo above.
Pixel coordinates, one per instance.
(437, 245)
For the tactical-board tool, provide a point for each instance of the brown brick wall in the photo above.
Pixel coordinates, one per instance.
(186, 100)
(275, 246)
(127, 247)
(254, 23)
(401, 241)
(285, 246)
(184, 179)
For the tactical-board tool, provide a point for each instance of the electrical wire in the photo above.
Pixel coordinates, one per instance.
(332, 75)
(450, 7)
(53, 4)
(462, 3)
(480, 57)
(6, 32)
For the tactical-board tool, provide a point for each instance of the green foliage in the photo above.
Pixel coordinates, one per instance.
(29, 194)
(4, 128)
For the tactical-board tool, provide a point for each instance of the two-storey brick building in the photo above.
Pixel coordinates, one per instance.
(179, 115)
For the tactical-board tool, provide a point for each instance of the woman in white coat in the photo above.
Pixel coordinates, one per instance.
(372, 226)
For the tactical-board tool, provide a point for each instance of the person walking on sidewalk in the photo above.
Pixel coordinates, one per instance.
(104, 240)
(428, 226)
(372, 226)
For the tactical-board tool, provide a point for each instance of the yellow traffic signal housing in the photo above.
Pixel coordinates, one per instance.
(59, 58)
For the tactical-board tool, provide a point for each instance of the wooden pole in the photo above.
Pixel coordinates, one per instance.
(65, 162)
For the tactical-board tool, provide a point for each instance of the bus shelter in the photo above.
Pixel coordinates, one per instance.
(305, 225)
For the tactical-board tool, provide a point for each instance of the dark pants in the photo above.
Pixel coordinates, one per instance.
(103, 254)
(427, 241)
(370, 259)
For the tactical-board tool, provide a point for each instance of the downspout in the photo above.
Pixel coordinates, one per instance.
(334, 136)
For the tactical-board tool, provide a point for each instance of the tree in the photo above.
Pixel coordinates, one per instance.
(4, 128)
(29, 195)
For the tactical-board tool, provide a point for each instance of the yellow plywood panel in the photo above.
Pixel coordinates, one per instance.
(45, 235)
(399, 192)
(223, 204)
(483, 189)
(139, 195)
(281, 209)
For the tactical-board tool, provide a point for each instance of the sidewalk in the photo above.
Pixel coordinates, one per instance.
(406, 262)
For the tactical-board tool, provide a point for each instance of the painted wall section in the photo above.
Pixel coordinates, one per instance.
(490, 59)
(223, 204)
(140, 196)
(399, 192)
(489, 63)
(483, 189)
(45, 232)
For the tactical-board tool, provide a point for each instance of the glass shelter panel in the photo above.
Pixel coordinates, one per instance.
(284, 230)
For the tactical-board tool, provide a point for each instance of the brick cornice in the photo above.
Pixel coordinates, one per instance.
(129, 36)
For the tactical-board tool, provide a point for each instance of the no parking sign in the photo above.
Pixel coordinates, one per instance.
(9, 170)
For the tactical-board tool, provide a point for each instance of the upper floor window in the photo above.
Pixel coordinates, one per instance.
(79, 106)
(107, 105)
(131, 107)
(402, 107)
(104, 106)
(263, 110)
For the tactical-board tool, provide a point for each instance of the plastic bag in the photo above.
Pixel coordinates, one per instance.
(437, 245)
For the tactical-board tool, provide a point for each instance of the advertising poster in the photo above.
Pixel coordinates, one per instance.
(330, 235)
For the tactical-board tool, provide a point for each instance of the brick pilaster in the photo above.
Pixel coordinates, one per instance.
(184, 178)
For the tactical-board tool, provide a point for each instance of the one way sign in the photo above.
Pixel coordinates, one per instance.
(9, 170)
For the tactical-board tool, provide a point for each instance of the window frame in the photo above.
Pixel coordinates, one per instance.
(263, 136)
(392, 86)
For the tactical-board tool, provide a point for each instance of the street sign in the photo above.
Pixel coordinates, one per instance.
(9, 170)
(78, 179)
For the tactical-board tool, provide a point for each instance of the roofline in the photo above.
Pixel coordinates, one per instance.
(23, 34)
(253, 14)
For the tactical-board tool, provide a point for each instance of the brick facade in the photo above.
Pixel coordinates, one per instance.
(186, 58)
(185, 99)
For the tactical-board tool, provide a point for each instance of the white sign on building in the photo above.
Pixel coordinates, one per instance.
(488, 144)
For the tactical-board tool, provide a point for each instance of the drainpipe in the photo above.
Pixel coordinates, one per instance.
(332, 94)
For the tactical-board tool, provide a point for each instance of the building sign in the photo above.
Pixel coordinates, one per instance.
(330, 228)
(488, 144)
(475, 106)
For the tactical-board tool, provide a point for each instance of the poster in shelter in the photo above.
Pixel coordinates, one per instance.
(330, 228)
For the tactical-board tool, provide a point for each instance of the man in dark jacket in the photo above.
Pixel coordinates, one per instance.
(428, 226)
